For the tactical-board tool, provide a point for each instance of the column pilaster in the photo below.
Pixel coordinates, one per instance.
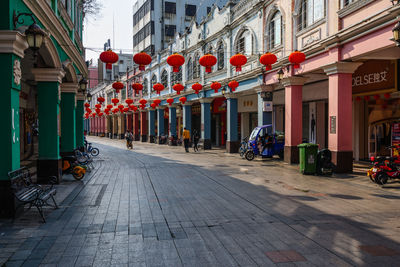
(68, 118)
(143, 125)
(232, 144)
(152, 125)
(79, 112)
(172, 125)
(206, 122)
(160, 123)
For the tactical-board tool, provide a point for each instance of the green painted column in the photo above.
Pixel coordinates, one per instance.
(48, 88)
(68, 123)
(79, 112)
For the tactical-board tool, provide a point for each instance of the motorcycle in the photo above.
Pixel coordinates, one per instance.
(71, 166)
(383, 169)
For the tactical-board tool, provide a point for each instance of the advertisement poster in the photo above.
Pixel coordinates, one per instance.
(396, 138)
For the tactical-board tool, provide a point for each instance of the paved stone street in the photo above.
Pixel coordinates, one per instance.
(159, 206)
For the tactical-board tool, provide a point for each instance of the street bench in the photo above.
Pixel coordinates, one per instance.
(27, 192)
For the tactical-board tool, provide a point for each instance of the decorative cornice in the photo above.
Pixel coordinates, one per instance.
(341, 67)
(206, 100)
(13, 42)
(46, 16)
(293, 81)
(69, 88)
(48, 75)
(80, 97)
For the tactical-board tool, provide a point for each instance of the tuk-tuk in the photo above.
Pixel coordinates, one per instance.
(262, 142)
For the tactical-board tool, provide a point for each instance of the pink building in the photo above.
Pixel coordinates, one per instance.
(93, 77)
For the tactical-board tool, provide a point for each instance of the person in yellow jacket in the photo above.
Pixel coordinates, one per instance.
(186, 138)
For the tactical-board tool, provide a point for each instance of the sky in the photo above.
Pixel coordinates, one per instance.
(99, 28)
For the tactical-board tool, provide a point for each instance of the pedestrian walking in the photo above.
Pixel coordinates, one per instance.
(186, 139)
(129, 139)
(196, 139)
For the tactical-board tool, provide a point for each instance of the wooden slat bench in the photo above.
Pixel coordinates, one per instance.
(27, 192)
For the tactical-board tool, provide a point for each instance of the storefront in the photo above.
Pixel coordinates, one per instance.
(376, 108)
(247, 108)
(218, 122)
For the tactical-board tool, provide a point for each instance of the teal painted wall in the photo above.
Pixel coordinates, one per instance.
(49, 110)
(79, 122)
(68, 124)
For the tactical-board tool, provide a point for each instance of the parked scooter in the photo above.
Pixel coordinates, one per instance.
(383, 169)
(71, 166)
(263, 144)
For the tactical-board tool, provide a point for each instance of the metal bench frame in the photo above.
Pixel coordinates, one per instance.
(26, 192)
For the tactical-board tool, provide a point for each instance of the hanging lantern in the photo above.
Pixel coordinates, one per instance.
(366, 97)
(238, 61)
(109, 106)
(86, 116)
(97, 110)
(197, 87)
(115, 110)
(121, 106)
(101, 114)
(88, 110)
(153, 105)
(107, 112)
(376, 97)
(170, 101)
(126, 109)
(296, 58)
(117, 86)
(183, 100)
(142, 59)
(158, 87)
(143, 101)
(114, 101)
(215, 86)
(178, 88)
(100, 99)
(387, 95)
(142, 106)
(93, 115)
(133, 108)
(137, 87)
(97, 106)
(358, 98)
(268, 59)
(208, 61)
(157, 102)
(109, 57)
(87, 105)
(233, 85)
(129, 101)
(175, 61)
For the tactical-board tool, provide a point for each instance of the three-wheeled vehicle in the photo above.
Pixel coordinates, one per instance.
(262, 142)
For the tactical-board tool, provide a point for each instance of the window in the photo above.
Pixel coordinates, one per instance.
(190, 10)
(311, 11)
(347, 2)
(170, 30)
(153, 82)
(164, 78)
(146, 87)
(221, 56)
(176, 77)
(190, 69)
(170, 7)
(196, 66)
(275, 30)
(244, 43)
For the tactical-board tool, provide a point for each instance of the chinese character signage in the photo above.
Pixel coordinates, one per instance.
(396, 137)
(332, 125)
(374, 75)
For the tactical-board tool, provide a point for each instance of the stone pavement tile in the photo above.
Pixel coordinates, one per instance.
(120, 258)
(48, 265)
(84, 261)
(38, 254)
(31, 263)
(52, 258)
(379, 250)
(137, 264)
(14, 263)
(101, 263)
(72, 251)
(88, 251)
(21, 255)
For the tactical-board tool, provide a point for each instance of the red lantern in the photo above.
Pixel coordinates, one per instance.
(358, 98)
(109, 106)
(121, 106)
(366, 97)
(142, 59)
(296, 58)
(87, 105)
(129, 101)
(216, 86)
(376, 97)
(115, 110)
(142, 106)
(98, 110)
(100, 99)
(97, 106)
(158, 87)
(126, 110)
(208, 61)
(88, 110)
(93, 115)
(107, 112)
(175, 61)
(133, 108)
(118, 86)
(137, 86)
(183, 100)
(197, 87)
(101, 114)
(143, 101)
(153, 105)
(178, 88)
(109, 57)
(268, 59)
(157, 102)
(387, 95)
(115, 101)
(238, 61)
(170, 101)
(233, 85)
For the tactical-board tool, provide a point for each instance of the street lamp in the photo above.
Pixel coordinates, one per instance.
(280, 75)
(34, 34)
(83, 85)
(396, 34)
(89, 97)
(223, 91)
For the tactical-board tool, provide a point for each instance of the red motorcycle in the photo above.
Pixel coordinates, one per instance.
(384, 168)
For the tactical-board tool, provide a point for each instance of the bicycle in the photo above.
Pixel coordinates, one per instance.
(243, 146)
(92, 150)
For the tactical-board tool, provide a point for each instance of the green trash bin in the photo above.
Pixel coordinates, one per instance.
(308, 158)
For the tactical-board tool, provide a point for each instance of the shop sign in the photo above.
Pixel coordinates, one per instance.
(332, 124)
(248, 103)
(374, 75)
(395, 137)
(267, 106)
